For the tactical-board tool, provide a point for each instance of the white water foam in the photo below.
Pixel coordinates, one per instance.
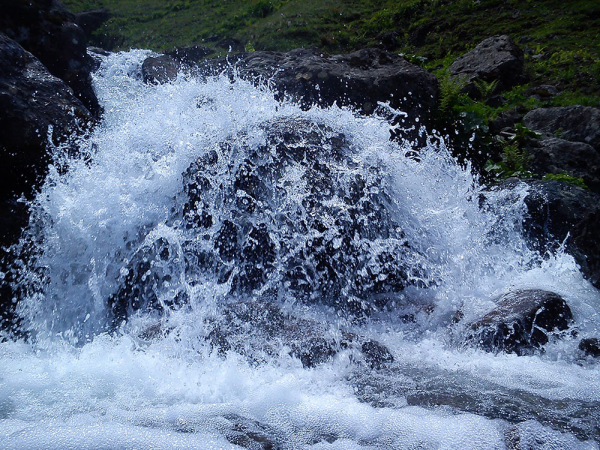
(77, 386)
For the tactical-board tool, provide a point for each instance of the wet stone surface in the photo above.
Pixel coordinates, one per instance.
(292, 216)
(522, 321)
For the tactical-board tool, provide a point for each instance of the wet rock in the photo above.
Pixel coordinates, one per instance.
(255, 328)
(251, 434)
(314, 352)
(571, 123)
(590, 347)
(496, 58)
(360, 79)
(160, 69)
(557, 156)
(317, 244)
(376, 355)
(558, 210)
(149, 282)
(35, 106)
(190, 55)
(521, 321)
(50, 32)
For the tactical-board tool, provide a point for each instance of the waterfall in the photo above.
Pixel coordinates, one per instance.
(215, 268)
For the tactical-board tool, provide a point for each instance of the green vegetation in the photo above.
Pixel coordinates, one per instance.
(561, 41)
(565, 178)
(562, 38)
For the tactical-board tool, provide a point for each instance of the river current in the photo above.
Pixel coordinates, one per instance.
(127, 208)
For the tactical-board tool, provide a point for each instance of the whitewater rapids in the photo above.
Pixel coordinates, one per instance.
(77, 382)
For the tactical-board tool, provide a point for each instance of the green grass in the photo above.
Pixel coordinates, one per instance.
(561, 40)
(563, 37)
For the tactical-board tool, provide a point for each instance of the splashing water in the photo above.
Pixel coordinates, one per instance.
(204, 233)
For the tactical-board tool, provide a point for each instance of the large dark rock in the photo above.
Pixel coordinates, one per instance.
(160, 69)
(35, 108)
(360, 79)
(590, 347)
(521, 321)
(49, 31)
(556, 156)
(496, 58)
(286, 218)
(572, 123)
(557, 210)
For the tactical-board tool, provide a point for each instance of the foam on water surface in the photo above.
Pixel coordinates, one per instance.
(80, 383)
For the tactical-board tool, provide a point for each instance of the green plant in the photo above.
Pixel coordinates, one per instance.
(514, 163)
(261, 8)
(450, 92)
(565, 178)
(524, 135)
(486, 89)
(414, 59)
(515, 159)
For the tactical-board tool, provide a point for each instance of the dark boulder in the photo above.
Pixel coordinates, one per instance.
(317, 244)
(283, 218)
(571, 123)
(497, 58)
(160, 69)
(49, 31)
(376, 355)
(521, 322)
(360, 79)
(251, 434)
(557, 210)
(35, 108)
(590, 347)
(557, 156)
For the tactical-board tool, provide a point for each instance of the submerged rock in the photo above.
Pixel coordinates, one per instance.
(376, 355)
(497, 58)
(160, 69)
(590, 347)
(521, 322)
(150, 282)
(251, 434)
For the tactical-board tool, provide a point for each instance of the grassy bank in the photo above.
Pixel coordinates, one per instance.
(562, 38)
(561, 41)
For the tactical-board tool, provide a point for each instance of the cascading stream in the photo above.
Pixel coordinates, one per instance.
(214, 268)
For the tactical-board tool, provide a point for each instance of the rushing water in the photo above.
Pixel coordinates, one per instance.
(142, 211)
